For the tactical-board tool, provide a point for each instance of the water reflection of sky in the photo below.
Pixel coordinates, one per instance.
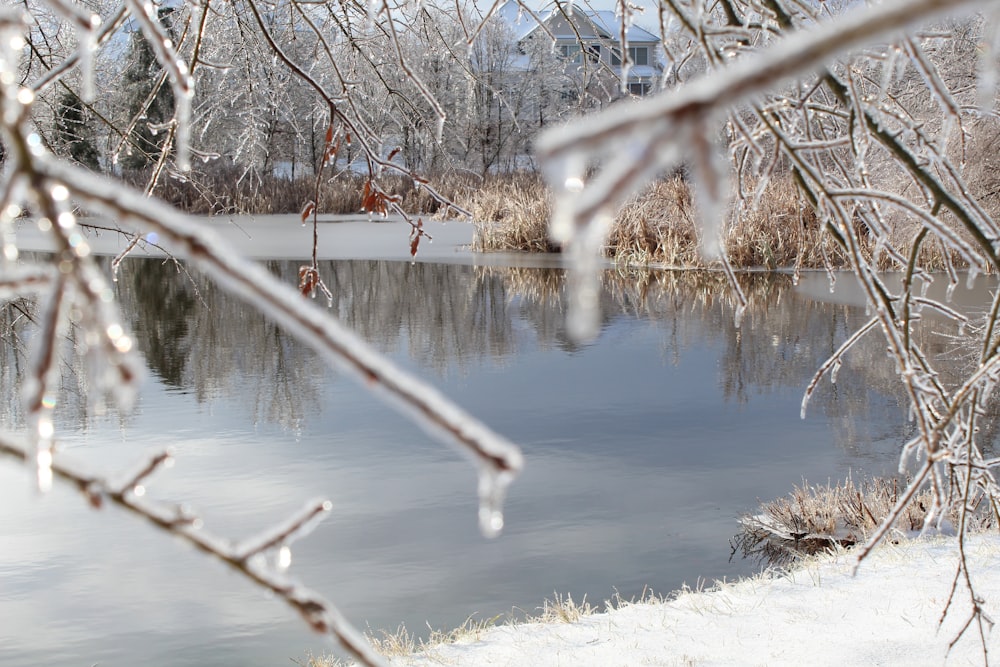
(638, 464)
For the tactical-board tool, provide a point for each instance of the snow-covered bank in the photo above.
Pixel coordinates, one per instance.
(285, 237)
(818, 614)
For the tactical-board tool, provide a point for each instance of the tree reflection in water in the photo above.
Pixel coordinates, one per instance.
(443, 317)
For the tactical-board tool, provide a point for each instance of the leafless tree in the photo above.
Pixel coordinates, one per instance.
(868, 108)
(871, 112)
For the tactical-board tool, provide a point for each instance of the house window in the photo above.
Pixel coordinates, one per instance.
(569, 95)
(593, 53)
(638, 89)
(638, 55)
(570, 52)
(616, 58)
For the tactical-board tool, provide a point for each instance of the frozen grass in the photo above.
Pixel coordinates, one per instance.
(511, 213)
(773, 229)
(221, 189)
(825, 611)
(401, 643)
(816, 518)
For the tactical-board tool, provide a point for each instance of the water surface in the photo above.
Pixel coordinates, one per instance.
(642, 450)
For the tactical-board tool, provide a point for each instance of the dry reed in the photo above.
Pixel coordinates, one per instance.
(817, 518)
(402, 642)
(227, 189)
(511, 213)
(775, 228)
(772, 229)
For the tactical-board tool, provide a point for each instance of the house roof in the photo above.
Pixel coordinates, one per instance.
(610, 23)
(606, 22)
(520, 21)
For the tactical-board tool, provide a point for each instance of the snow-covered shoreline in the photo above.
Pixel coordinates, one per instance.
(286, 237)
(819, 613)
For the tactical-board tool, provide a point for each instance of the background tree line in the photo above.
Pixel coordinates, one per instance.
(440, 92)
(882, 115)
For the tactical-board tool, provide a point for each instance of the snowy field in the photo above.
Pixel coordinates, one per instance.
(887, 613)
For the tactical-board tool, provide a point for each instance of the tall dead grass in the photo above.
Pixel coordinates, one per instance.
(775, 228)
(815, 518)
(511, 213)
(228, 189)
(772, 229)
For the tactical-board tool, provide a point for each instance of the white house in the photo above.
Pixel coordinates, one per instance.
(587, 38)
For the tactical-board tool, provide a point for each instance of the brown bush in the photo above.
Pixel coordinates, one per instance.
(225, 188)
(775, 228)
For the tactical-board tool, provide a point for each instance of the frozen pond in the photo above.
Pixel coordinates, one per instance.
(642, 450)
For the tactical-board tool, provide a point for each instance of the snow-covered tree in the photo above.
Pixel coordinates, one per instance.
(873, 109)
(74, 132)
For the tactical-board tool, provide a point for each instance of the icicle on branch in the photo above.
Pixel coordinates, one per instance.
(321, 615)
(144, 13)
(497, 456)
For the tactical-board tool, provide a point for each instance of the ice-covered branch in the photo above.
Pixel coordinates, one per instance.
(498, 460)
(177, 71)
(320, 614)
(794, 55)
(35, 179)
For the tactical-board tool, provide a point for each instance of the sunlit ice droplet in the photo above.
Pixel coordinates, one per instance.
(490, 521)
(35, 144)
(45, 429)
(43, 464)
(65, 219)
(25, 96)
(43, 459)
(284, 557)
(574, 184)
(59, 192)
(139, 490)
(123, 344)
(115, 331)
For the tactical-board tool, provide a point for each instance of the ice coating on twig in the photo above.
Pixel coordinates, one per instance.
(54, 184)
(493, 487)
(667, 122)
(133, 479)
(293, 528)
(319, 613)
(254, 284)
(833, 131)
(144, 13)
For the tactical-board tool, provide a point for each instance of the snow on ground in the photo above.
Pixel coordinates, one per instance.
(818, 614)
(285, 237)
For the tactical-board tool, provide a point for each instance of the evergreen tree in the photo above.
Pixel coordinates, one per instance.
(140, 76)
(73, 132)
